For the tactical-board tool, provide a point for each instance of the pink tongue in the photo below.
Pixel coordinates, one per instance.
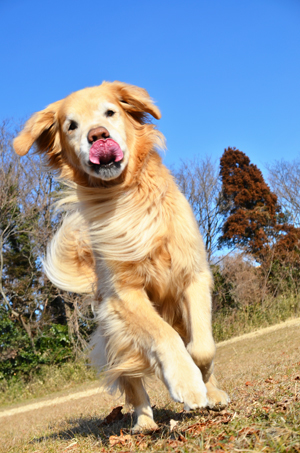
(105, 152)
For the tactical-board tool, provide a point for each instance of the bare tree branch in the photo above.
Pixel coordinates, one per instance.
(284, 179)
(199, 181)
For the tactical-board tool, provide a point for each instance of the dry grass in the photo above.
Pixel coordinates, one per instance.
(50, 379)
(70, 377)
(235, 322)
(262, 375)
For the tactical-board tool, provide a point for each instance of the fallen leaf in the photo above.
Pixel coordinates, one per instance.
(142, 445)
(197, 427)
(270, 380)
(182, 438)
(248, 431)
(115, 415)
(173, 423)
(248, 383)
(177, 442)
(140, 437)
(115, 440)
(226, 419)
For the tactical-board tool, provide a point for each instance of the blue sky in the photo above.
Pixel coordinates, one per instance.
(223, 72)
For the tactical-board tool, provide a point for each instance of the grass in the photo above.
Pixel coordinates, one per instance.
(236, 322)
(70, 376)
(262, 377)
(46, 381)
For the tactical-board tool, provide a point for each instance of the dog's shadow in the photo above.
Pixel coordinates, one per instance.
(101, 431)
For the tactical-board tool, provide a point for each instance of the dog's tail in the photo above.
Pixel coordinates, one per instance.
(69, 263)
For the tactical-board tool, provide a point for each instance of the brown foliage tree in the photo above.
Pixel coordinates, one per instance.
(254, 219)
(251, 209)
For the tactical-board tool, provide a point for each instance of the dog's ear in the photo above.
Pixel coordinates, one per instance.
(135, 99)
(41, 129)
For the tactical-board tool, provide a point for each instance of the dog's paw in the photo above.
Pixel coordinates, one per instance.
(217, 399)
(194, 399)
(144, 424)
(186, 386)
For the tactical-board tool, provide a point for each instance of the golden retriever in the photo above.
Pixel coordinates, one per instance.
(130, 239)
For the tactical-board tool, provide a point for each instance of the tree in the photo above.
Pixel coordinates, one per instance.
(199, 182)
(24, 228)
(254, 220)
(33, 313)
(250, 208)
(284, 178)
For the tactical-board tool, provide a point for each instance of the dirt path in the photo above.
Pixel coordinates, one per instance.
(94, 391)
(265, 330)
(50, 402)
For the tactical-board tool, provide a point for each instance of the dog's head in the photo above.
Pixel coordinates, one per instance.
(95, 135)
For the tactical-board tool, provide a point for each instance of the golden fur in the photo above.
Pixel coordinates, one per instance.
(132, 241)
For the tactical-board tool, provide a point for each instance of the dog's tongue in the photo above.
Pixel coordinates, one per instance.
(105, 152)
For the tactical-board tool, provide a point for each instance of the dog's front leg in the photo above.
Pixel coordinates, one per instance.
(201, 345)
(135, 334)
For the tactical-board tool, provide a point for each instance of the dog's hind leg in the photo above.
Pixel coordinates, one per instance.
(201, 345)
(137, 396)
(133, 388)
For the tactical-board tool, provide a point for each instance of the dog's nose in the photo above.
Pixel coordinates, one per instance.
(97, 133)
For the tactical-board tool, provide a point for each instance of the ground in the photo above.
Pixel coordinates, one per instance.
(260, 371)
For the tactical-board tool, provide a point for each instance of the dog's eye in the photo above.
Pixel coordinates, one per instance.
(109, 113)
(73, 125)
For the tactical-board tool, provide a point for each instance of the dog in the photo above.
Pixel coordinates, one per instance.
(129, 238)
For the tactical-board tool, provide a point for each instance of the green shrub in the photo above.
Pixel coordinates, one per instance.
(19, 356)
(45, 380)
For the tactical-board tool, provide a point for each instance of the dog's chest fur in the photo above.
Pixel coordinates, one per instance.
(168, 260)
